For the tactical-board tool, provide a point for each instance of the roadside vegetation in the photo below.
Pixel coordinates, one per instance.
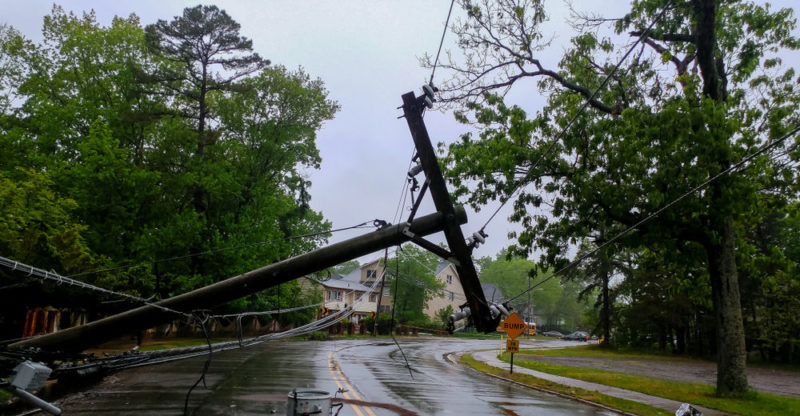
(751, 403)
(153, 160)
(613, 402)
(644, 147)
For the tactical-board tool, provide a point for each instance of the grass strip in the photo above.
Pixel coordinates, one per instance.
(180, 343)
(752, 403)
(597, 351)
(590, 396)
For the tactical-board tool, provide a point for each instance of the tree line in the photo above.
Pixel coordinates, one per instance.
(154, 160)
(607, 165)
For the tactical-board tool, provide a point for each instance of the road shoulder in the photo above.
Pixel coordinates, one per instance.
(490, 358)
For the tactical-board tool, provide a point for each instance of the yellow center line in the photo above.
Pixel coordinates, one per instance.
(339, 375)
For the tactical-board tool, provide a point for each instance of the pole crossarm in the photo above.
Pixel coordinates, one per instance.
(461, 254)
(78, 338)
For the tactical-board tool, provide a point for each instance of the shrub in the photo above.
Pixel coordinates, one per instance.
(317, 336)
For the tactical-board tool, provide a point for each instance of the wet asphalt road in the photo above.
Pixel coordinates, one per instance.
(256, 381)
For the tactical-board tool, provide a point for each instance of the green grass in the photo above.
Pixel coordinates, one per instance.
(475, 335)
(592, 396)
(699, 394)
(180, 343)
(594, 350)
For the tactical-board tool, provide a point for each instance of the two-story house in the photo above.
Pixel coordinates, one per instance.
(350, 289)
(451, 295)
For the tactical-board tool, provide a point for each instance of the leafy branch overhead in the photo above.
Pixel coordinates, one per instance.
(612, 145)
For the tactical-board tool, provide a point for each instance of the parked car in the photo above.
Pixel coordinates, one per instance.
(552, 334)
(577, 336)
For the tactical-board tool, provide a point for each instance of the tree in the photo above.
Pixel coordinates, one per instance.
(654, 131)
(37, 226)
(94, 112)
(552, 301)
(411, 278)
(202, 38)
(595, 275)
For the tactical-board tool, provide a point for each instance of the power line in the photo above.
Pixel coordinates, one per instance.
(203, 253)
(585, 105)
(441, 42)
(120, 362)
(403, 195)
(730, 169)
(45, 275)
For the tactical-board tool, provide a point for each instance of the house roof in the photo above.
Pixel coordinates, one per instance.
(342, 283)
(441, 266)
(354, 276)
(492, 292)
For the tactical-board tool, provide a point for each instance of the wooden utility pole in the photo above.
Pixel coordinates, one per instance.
(460, 255)
(81, 337)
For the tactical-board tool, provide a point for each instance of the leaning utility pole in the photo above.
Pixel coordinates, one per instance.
(460, 255)
(78, 338)
(448, 219)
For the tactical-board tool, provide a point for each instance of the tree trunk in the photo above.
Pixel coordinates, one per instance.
(731, 352)
(605, 275)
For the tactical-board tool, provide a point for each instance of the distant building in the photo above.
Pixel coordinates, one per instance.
(340, 291)
(492, 293)
(451, 295)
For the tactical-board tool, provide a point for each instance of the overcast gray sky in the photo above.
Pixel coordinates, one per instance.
(366, 52)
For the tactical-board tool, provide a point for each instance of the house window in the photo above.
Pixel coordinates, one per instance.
(386, 291)
(449, 279)
(334, 295)
(450, 294)
(373, 297)
(371, 274)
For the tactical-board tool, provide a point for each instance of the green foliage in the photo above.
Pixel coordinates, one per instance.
(37, 224)
(411, 279)
(318, 336)
(653, 132)
(346, 267)
(443, 315)
(111, 159)
(384, 323)
(555, 303)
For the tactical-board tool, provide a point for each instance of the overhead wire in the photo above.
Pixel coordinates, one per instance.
(441, 42)
(583, 107)
(162, 356)
(769, 146)
(403, 195)
(45, 275)
(219, 250)
(202, 322)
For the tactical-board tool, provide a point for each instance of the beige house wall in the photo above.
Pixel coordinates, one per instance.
(443, 298)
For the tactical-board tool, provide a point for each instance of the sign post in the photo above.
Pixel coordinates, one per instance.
(513, 327)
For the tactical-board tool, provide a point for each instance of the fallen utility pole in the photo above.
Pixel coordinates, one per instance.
(460, 254)
(79, 338)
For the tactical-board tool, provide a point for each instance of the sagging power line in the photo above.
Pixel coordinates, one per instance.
(733, 168)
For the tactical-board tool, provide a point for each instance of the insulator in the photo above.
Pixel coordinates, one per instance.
(428, 102)
(415, 170)
(494, 311)
(479, 237)
(501, 308)
(428, 91)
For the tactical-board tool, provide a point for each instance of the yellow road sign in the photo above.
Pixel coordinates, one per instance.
(512, 346)
(513, 325)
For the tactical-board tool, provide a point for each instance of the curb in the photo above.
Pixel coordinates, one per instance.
(545, 390)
